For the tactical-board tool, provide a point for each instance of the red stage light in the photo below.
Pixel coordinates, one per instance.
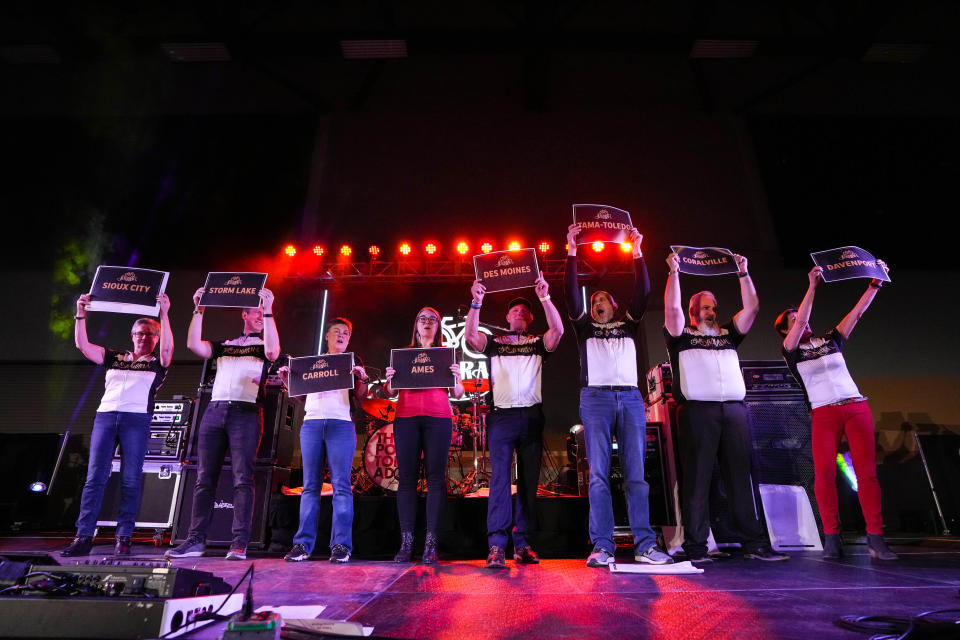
(626, 247)
(544, 247)
(486, 247)
(346, 250)
(513, 246)
(374, 250)
(430, 248)
(597, 246)
(318, 250)
(405, 249)
(290, 250)
(463, 248)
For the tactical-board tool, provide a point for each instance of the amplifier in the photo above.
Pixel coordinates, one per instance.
(769, 378)
(175, 412)
(163, 444)
(128, 578)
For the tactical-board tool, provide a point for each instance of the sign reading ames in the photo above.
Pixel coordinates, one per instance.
(506, 270)
(312, 374)
(844, 263)
(224, 289)
(601, 223)
(127, 290)
(422, 368)
(705, 261)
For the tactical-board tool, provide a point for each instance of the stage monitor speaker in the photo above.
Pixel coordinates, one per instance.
(158, 499)
(266, 482)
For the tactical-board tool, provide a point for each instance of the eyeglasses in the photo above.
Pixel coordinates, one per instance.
(427, 320)
(141, 334)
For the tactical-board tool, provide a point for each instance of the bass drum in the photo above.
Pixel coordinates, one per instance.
(380, 458)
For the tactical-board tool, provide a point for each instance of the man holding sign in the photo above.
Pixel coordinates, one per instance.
(516, 424)
(233, 419)
(611, 405)
(709, 389)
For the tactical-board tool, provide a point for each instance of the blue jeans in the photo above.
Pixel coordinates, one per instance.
(519, 429)
(337, 440)
(132, 430)
(621, 414)
(426, 436)
(236, 425)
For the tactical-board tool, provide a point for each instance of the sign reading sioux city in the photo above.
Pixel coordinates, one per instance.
(505, 270)
(601, 223)
(705, 261)
(844, 263)
(328, 372)
(127, 290)
(422, 368)
(232, 289)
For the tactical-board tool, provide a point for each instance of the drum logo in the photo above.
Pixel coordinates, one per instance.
(849, 254)
(603, 214)
(504, 261)
(129, 276)
(234, 280)
(380, 458)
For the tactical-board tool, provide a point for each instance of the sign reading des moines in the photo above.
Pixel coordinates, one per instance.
(705, 261)
(328, 372)
(506, 270)
(601, 223)
(232, 289)
(844, 263)
(422, 368)
(127, 290)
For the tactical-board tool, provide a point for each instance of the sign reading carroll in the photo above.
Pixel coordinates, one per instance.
(422, 368)
(601, 223)
(224, 289)
(844, 263)
(127, 290)
(506, 270)
(705, 261)
(311, 374)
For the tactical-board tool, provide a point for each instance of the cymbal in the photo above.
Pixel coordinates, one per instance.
(379, 408)
(473, 385)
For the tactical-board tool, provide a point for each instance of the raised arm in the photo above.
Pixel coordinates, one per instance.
(792, 339)
(551, 339)
(194, 342)
(850, 320)
(641, 279)
(90, 351)
(271, 340)
(575, 308)
(471, 331)
(457, 390)
(166, 334)
(748, 293)
(672, 309)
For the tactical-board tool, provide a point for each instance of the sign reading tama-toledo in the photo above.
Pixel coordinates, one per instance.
(422, 368)
(506, 270)
(328, 372)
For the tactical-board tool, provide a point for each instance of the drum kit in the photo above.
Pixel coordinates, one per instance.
(378, 471)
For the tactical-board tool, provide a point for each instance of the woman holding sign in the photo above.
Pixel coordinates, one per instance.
(836, 408)
(422, 427)
(328, 431)
(131, 382)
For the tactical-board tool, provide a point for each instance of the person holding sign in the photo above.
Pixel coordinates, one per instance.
(836, 408)
(328, 431)
(124, 414)
(233, 419)
(516, 424)
(709, 390)
(611, 405)
(422, 428)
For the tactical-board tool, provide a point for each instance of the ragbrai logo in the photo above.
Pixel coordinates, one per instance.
(603, 214)
(849, 254)
(129, 276)
(320, 364)
(235, 280)
(701, 255)
(505, 261)
(421, 358)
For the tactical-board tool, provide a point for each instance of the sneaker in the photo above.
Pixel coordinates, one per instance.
(237, 552)
(192, 547)
(297, 554)
(599, 558)
(766, 554)
(653, 555)
(496, 559)
(339, 554)
(122, 548)
(81, 546)
(525, 555)
(699, 557)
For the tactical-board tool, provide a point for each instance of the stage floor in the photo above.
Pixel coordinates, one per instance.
(562, 598)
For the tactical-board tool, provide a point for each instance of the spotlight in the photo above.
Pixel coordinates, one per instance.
(405, 249)
(318, 250)
(513, 246)
(462, 248)
(544, 247)
(575, 429)
(626, 247)
(38, 487)
(374, 250)
(290, 250)
(430, 248)
(346, 250)
(486, 247)
(597, 246)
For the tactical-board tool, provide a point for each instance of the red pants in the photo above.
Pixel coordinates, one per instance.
(829, 425)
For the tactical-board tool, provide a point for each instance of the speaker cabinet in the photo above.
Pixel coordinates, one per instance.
(158, 497)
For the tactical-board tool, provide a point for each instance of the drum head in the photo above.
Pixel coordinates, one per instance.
(380, 458)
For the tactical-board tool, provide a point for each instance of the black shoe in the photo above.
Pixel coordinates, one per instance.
(832, 547)
(766, 554)
(525, 555)
(699, 557)
(298, 553)
(122, 548)
(430, 549)
(339, 554)
(405, 554)
(81, 546)
(878, 548)
(495, 559)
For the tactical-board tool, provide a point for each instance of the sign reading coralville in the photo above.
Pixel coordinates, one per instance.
(506, 270)
(224, 289)
(601, 223)
(705, 261)
(328, 372)
(844, 263)
(127, 290)
(422, 368)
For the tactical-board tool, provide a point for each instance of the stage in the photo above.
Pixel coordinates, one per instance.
(562, 598)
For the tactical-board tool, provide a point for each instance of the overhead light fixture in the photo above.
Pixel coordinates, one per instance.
(373, 49)
(196, 51)
(720, 49)
(895, 52)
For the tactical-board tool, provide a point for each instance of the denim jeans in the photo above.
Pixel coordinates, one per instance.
(608, 414)
(132, 430)
(237, 426)
(336, 440)
(430, 437)
(519, 429)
